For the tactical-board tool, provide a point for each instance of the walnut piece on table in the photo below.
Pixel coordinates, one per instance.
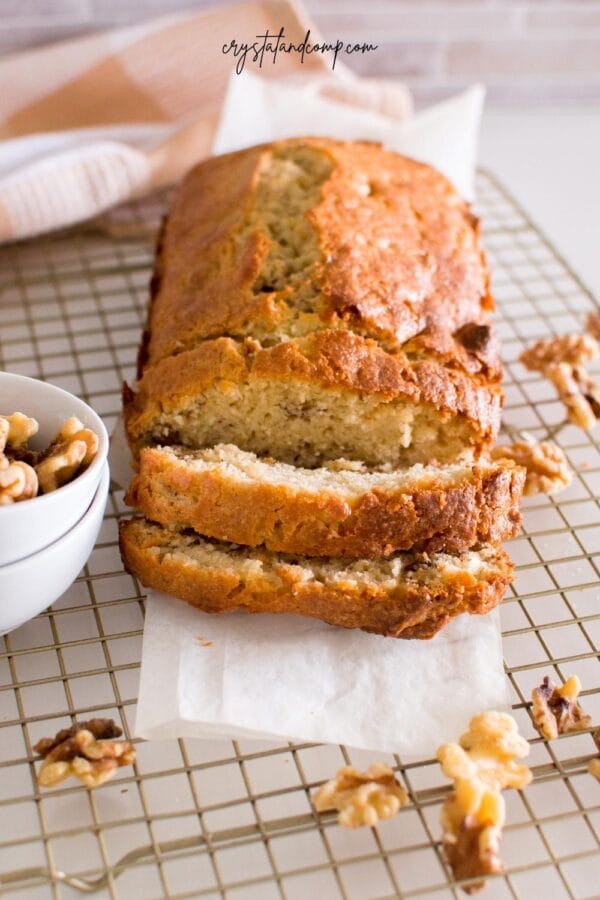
(73, 448)
(481, 765)
(578, 392)
(594, 764)
(87, 750)
(561, 359)
(592, 324)
(547, 468)
(362, 798)
(555, 709)
(571, 349)
(471, 848)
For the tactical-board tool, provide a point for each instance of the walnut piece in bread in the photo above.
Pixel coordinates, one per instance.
(362, 798)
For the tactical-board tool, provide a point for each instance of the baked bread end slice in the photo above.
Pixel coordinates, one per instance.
(409, 595)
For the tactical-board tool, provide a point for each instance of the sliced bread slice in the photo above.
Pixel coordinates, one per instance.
(409, 595)
(331, 393)
(342, 509)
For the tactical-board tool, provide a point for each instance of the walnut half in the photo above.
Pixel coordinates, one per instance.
(24, 472)
(572, 349)
(15, 430)
(472, 849)
(481, 765)
(562, 360)
(362, 798)
(547, 469)
(18, 481)
(578, 392)
(87, 751)
(72, 450)
(555, 709)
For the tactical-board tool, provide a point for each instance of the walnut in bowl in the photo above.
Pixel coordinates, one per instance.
(46, 483)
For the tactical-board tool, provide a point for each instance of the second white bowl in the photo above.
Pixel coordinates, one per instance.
(30, 585)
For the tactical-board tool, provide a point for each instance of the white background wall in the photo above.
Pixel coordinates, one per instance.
(529, 53)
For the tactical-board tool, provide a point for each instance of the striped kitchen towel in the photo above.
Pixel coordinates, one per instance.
(89, 123)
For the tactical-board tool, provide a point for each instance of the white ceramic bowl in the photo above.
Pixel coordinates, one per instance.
(29, 526)
(30, 585)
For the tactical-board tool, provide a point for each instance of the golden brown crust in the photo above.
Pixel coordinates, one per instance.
(407, 608)
(337, 361)
(426, 513)
(398, 250)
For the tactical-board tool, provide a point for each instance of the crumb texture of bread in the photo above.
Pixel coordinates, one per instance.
(409, 595)
(342, 509)
(309, 401)
(314, 299)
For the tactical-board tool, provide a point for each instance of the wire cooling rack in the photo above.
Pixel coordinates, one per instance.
(232, 819)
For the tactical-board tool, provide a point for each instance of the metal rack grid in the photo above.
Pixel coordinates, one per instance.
(232, 819)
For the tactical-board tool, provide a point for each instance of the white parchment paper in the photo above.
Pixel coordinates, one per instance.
(291, 677)
(284, 676)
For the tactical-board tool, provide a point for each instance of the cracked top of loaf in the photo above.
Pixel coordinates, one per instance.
(301, 235)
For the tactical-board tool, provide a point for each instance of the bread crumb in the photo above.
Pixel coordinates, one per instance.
(203, 642)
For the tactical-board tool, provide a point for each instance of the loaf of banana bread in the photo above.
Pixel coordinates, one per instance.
(319, 384)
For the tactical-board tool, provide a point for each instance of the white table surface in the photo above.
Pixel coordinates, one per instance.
(550, 160)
